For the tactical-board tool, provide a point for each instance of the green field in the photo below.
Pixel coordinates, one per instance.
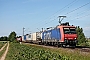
(24, 52)
(1, 44)
(33, 52)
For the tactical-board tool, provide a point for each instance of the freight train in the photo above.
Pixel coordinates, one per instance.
(61, 35)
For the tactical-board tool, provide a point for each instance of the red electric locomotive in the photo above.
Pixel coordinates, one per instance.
(62, 35)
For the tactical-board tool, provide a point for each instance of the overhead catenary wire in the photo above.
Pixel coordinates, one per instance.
(79, 14)
(70, 11)
(77, 8)
(67, 6)
(62, 9)
(80, 17)
(48, 22)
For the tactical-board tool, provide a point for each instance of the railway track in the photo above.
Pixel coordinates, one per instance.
(77, 48)
(83, 49)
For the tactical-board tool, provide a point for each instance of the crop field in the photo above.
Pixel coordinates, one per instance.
(1, 44)
(32, 52)
(23, 52)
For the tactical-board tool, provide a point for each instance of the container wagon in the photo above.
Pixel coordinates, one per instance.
(32, 38)
(36, 37)
(24, 38)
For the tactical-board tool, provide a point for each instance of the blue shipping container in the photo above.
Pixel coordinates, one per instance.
(53, 34)
(24, 37)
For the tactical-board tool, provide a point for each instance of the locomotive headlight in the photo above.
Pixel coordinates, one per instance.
(75, 38)
(65, 38)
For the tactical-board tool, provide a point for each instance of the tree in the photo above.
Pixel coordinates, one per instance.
(3, 38)
(81, 37)
(12, 36)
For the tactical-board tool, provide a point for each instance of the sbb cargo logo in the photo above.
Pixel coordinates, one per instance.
(47, 35)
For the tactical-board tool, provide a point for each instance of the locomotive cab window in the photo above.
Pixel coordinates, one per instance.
(69, 30)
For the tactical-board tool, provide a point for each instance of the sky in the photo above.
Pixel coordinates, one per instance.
(36, 14)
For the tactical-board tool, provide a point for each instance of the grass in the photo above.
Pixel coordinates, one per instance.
(28, 52)
(1, 44)
(34, 52)
(71, 54)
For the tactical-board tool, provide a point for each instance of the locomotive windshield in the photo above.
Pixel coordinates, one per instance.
(69, 31)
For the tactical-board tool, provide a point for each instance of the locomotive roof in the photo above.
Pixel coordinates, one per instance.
(66, 26)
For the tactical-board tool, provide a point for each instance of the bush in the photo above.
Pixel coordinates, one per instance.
(84, 44)
(15, 41)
